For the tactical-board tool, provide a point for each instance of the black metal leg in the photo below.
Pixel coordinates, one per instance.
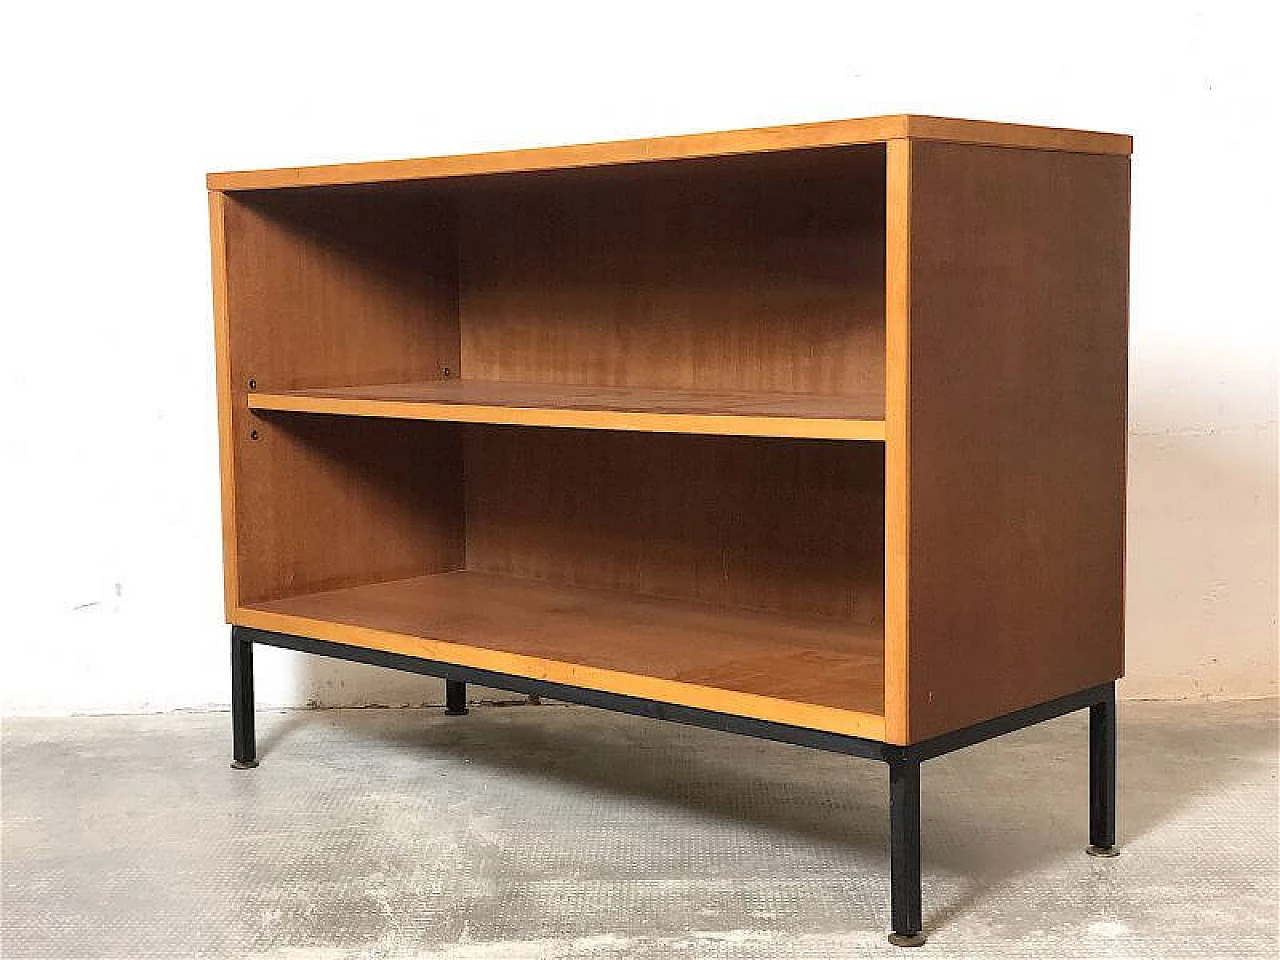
(245, 750)
(455, 698)
(904, 851)
(1102, 777)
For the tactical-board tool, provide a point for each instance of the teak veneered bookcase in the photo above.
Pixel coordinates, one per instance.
(814, 433)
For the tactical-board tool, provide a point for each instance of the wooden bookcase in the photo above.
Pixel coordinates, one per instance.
(818, 427)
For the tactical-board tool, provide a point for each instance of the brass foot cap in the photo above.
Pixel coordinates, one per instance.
(907, 939)
(243, 764)
(1094, 850)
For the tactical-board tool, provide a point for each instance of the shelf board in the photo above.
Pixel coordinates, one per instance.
(830, 133)
(810, 672)
(596, 408)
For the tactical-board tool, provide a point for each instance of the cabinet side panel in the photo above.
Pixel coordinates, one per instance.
(331, 502)
(333, 288)
(1018, 357)
(226, 433)
(328, 288)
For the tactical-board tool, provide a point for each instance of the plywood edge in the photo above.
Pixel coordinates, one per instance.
(812, 428)
(897, 477)
(810, 716)
(226, 445)
(830, 133)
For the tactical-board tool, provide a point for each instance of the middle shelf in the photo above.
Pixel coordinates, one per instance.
(805, 416)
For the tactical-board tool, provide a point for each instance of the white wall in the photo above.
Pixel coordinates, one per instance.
(113, 112)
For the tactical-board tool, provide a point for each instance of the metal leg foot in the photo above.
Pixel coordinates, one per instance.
(903, 940)
(1102, 777)
(455, 698)
(904, 852)
(244, 744)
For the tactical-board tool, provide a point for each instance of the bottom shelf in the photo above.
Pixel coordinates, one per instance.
(823, 674)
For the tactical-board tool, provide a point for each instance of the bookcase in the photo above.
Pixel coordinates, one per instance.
(814, 433)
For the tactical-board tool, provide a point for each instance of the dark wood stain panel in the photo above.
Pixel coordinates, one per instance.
(1018, 330)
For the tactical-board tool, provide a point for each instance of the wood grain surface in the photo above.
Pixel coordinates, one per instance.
(322, 291)
(812, 672)
(787, 525)
(761, 273)
(599, 408)
(1018, 377)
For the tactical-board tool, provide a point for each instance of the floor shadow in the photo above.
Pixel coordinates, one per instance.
(991, 813)
(277, 733)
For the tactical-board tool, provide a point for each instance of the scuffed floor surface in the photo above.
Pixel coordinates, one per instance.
(550, 831)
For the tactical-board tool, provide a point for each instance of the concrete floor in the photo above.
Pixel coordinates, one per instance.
(552, 831)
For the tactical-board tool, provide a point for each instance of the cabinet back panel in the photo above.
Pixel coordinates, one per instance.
(741, 273)
(791, 526)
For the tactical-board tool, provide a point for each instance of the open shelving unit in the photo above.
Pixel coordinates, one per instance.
(816, 431)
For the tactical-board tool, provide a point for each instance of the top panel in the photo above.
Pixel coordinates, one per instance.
(831, 133)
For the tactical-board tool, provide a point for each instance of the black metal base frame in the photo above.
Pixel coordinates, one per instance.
(904, 762)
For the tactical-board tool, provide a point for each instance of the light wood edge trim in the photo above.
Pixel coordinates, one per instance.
(687, 146)
(811, 716)
(897, 441)
(226, 445)
(986, 133)
(830, 133)
(809, 428)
